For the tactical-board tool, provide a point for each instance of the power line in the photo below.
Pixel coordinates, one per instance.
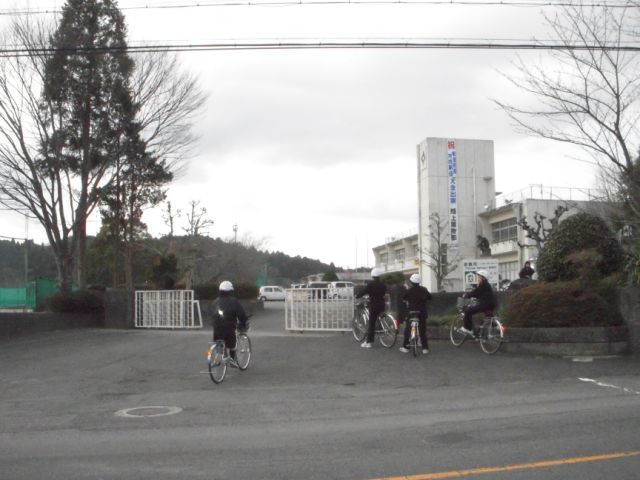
(300, 45)
(299, 3)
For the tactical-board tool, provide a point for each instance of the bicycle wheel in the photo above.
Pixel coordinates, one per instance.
(243, 351)
(457, 337)
(217, 365)
(359, 325)
(413, 346)
(387, 328)
(492, 335)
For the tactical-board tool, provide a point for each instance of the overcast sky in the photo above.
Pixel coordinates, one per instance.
(313, 151)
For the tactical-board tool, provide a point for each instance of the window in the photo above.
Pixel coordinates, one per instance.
(504, 231)
(400, 255)
(384, 258)
(416, 250)
(443, 255)
(508, 270)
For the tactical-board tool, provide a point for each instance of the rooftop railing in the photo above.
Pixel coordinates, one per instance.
(546, 192)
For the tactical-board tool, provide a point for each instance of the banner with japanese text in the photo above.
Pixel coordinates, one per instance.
(452, 159)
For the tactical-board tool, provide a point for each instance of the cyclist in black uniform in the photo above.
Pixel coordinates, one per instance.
(486, 301)
(376, 291)
(227, 313)
(416, 298)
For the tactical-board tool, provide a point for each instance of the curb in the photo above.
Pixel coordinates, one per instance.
(557, 341)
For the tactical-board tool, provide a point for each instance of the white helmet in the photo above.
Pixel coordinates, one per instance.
(376, 272)
(415, 278)
(226, 286)
(483, 273)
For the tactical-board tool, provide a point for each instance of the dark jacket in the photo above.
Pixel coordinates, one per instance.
(416, 298)
(376, 291)
(526, 272)
(484, 293)
(227, 311)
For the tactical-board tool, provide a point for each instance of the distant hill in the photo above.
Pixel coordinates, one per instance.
(39, 261)
(210, 259)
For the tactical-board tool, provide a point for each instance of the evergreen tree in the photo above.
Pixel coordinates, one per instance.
(87, 86)
(138, 185)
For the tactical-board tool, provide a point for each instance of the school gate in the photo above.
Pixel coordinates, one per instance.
(318, 309)
(167, 309)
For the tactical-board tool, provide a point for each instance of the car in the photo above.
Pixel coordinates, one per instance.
(271, 292)
(341, 289)
(319, 289)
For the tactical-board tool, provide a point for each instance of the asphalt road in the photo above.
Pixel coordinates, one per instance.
(311, 406)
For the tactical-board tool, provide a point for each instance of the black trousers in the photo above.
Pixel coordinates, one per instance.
(471, 311)
(374, 313)
(422, 326)
(226, 332)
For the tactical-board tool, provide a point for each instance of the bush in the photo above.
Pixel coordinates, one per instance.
(82, 301)
(561, 304)
(393, 278)
(577, 233)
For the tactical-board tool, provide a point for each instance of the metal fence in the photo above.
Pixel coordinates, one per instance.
(35, 295)
(318, 309)
(167, 309)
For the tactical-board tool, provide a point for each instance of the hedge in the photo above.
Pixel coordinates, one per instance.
(81, 301)
(562, 304)
(578, 233)
(241, 289)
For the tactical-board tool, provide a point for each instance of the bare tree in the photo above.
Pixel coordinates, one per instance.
(197, 220)
(589, 92)
(169, 218)
(31, 177)
(170, 101)
(438, 258)
(540, 231)
(34, 175)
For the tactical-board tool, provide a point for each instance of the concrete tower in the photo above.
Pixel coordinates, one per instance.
(456, 181)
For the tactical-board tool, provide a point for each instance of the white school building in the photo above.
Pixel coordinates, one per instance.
(456, 181)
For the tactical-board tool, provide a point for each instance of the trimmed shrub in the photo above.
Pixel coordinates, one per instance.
(245, 290)
(579, 232)
(560, 304)
(82, 301)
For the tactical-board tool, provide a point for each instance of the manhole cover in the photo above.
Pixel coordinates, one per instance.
(146, 412)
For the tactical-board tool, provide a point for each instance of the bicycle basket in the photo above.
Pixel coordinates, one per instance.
(466, 302)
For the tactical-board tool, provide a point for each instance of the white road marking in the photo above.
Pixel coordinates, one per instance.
(609, 385)
(146, 412)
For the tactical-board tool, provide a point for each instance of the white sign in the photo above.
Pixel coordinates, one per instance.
(452, 161)
(470, 267)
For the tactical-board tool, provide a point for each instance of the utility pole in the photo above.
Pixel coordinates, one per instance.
(235, 233)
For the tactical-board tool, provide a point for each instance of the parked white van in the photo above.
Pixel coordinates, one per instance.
(271, 292)
(340, 289)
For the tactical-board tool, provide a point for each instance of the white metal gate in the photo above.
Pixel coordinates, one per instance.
(167, 309)
(319, 309)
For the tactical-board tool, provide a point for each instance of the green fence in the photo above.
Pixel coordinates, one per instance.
(33, 296)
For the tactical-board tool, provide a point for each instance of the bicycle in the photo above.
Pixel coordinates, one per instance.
(218, 357)
(386, 325)
(490, 334)
(414, 325)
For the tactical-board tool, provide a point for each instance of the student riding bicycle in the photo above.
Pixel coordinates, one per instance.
(486, 301)
(376, 291)
(227, 313)
(416, 298)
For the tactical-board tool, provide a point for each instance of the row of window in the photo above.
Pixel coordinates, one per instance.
(502, 231)
(399, 254)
